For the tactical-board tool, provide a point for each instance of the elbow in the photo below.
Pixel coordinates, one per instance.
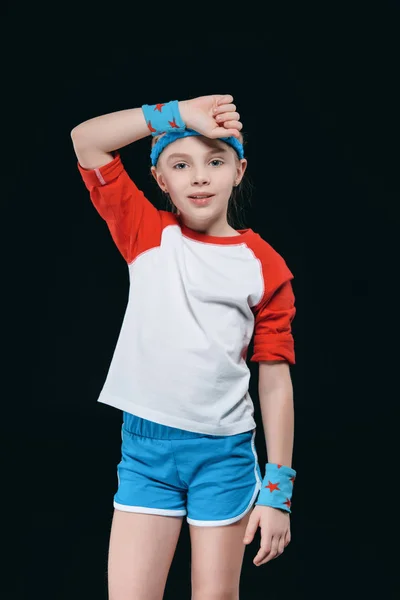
(78, 134)
(74, 131)
(79, 139)
(74, 138)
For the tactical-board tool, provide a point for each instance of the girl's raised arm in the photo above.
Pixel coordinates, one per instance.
(95, 139)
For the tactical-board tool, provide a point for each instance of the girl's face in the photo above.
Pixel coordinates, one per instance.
(198, 173)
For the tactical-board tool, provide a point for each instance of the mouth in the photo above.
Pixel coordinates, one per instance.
(201, 199)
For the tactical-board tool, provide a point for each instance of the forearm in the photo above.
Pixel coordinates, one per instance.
(114, 130)
(96, 138)
(111, 131)
(277, 412)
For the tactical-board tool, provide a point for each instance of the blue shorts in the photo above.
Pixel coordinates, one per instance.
(213, 480)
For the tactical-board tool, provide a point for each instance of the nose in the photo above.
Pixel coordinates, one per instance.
(200, 178)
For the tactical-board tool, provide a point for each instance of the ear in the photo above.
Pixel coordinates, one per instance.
(240, 170)
(159, 179)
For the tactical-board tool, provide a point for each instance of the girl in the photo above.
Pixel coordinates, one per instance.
(198, 290)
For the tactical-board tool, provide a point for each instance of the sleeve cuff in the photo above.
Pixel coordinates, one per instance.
(279, 349)
(102, 175)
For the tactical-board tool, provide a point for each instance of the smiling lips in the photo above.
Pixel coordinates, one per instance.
(201, 199)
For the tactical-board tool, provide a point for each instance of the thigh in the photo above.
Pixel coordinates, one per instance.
(217, 558)
(141, 550)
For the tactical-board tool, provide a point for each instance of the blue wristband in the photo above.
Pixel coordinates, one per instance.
(161, 118)
(277, 487)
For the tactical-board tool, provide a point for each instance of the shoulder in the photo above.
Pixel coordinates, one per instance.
(270, 259)
(169, 218)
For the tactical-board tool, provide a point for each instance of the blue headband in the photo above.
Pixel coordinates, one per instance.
(170, 137)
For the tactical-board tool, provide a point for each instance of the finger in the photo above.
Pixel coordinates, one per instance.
(219, 132)
(265, 549)
(288, 537)
(217, 110)
(261, 555)
(227, 116)
(231, 133)
(281, 545)
(224, 99)
(233, 125)
(273, 553)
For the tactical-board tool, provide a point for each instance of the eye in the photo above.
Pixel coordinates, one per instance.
(217, 160)
(178, 166)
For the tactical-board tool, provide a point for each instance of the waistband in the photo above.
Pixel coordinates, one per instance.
(150, 429)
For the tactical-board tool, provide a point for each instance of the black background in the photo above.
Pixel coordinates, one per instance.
(317, 90)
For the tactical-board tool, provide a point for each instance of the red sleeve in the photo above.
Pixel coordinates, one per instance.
(273, 339)
(134, 223)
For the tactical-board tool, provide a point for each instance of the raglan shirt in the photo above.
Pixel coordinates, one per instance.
(195, 301)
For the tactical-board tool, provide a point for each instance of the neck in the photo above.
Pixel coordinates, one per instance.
(213, 229)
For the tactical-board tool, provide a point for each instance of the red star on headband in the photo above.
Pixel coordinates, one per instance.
(159, 107)
(150, 127)
(173, 124)
(272, 486)
(288, 503)
(292, 479)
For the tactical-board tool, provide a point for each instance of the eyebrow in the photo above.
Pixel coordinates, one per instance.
(188, 156)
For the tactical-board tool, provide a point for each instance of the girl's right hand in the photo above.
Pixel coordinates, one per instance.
(213, 116)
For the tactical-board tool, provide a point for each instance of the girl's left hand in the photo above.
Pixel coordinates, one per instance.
(275, 532)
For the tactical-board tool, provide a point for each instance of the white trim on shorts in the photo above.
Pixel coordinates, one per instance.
(150, 511)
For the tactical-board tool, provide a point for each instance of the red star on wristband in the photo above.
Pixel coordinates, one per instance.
(288, 503)
(150, 127)
(272, 486)
(292, 479)
(159, 107)
(173, 124)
